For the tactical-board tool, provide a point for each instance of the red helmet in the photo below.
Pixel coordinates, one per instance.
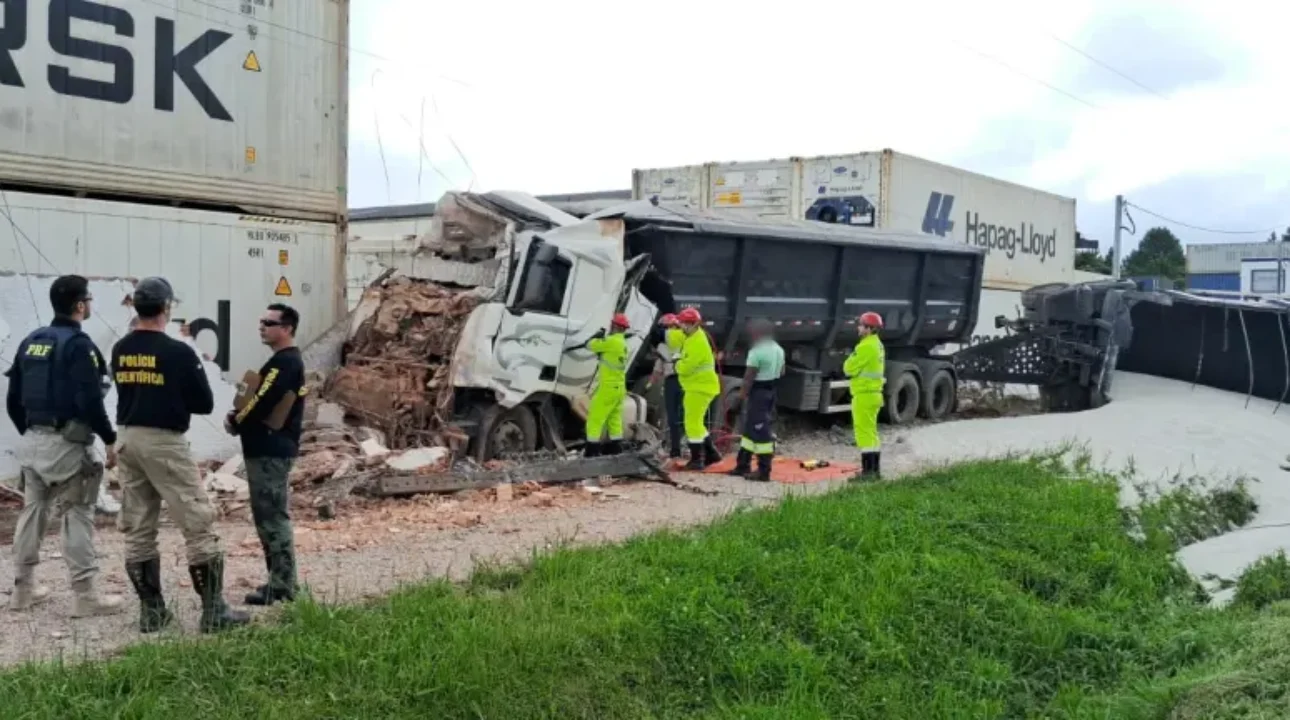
(689, 316)
(871, 319)
(620, 320)
(669, 320)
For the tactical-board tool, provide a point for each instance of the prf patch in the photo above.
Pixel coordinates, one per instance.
(35, 350)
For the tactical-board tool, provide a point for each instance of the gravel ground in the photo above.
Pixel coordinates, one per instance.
(373, 550)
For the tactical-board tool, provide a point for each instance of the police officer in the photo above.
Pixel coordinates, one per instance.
(866, 367)
(757, 396)
(697, 372)
(160, 385)
(56, 387)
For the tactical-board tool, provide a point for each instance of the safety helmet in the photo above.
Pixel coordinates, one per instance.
(871, 319)
(669, 320)
(153, 291)
(689, 316)
(620, 321)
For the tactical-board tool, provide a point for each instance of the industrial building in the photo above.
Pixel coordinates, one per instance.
(1217, 266)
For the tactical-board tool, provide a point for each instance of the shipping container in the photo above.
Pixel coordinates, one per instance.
(229, 105)
(225, 267)
(1028, 235)
(1226, 281)
(1210, 258)
(1264, 275)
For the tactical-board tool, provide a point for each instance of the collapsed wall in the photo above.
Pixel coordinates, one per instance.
(24, 306)
(396, 372)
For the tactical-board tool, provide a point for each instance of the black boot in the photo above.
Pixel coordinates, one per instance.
(743, 464)
(208, 581)
(876, 464)
(866, 468)
(763, 468)
(696, 457)
(146, 578)
(613, 447)
(591, 449)
(711, 456)
(263, 596)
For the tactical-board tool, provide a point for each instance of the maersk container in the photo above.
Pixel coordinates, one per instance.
(1028, 235)
(225, 267)
(226, 105)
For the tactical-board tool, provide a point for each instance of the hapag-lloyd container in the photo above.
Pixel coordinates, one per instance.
(235, 104)
(1029, 235)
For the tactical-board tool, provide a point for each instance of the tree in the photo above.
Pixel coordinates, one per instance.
(1160, 253)
(1090, 261)
(1285, 236)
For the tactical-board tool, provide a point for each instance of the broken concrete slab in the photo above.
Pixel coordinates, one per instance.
(227, 484)
(232, 466)
(330, 415)
(373, 449)
(418, 459)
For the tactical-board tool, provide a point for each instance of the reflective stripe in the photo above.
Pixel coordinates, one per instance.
(696, 441)
(756, 448)
(870, 375)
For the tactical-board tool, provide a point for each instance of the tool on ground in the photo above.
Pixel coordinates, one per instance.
(814, 464)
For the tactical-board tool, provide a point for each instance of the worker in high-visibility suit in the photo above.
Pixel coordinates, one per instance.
(697, 371)
(866, 367)
(606, 409)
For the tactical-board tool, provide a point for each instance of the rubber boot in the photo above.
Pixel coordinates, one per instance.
(146, 578)
(743, 464)
(696, 458)
(763, 468)
(711, 456)
(876, 466)
(262, 596)
(208, 581)
(614, 447)
(26, 594)
(866, 468)
(86, 602)
(591, 449)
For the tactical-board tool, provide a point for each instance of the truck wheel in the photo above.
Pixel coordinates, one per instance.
(505, 431)
(903, 399)
(938, 396)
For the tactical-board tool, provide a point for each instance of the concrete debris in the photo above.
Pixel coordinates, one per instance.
(419, 460)
(373, 449)
(232, 466)
(330, 415)
(640, 465)
(228, 484)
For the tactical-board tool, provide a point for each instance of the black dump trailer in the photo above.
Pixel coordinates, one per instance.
(813, 280)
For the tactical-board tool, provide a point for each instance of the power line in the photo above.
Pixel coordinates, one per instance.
(1022, 73)
(1106, 66)
(1200, 228)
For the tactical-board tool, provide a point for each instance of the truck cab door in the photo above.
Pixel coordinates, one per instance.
(599, 291)
(532, 335)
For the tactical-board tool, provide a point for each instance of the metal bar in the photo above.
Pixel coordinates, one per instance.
(642, 465)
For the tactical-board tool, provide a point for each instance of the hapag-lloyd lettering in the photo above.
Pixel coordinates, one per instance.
(1024, 238)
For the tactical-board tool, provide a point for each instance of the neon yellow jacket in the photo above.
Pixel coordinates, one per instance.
(697, 369)
(674, 338)
(866, 366)
(611, 351)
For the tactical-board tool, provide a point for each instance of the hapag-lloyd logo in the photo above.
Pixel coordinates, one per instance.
(1024, 238)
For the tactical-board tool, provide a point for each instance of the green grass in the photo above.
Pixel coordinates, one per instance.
(988, 590)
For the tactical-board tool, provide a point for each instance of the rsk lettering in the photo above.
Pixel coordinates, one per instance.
(1024, 238)
(168, 63)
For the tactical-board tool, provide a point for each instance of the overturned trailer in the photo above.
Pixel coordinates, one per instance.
(477, 344)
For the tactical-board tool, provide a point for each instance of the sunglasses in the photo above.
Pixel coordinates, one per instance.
(270, 323)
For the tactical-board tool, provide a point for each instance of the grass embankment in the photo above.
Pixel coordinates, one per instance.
(1000, 589)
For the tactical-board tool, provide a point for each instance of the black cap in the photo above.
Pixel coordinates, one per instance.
(153, 291)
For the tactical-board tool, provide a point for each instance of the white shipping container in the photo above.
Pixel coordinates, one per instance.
(686, 185)
(238, 103)
(213, 260)
(1029, 235)
(1225, 257)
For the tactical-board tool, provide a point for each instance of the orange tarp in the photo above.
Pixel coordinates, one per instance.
(787, 470)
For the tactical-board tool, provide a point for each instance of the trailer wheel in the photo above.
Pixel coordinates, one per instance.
(505, 431)
(938, 396)
(903, 399)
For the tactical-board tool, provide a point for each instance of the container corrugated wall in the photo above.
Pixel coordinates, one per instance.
(1225, 257)
(209, 258)
(1214, 281)
(231, 104)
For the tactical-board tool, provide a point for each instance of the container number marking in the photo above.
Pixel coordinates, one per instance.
(272, 236)
(168, 63)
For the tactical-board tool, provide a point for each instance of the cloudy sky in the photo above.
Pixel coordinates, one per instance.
(1182, 106)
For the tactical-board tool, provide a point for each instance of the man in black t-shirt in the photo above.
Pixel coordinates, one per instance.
(269, 426)
(160, 385)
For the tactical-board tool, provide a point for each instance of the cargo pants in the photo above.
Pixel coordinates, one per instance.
(58, 472)
(269, 481)
(157, 465)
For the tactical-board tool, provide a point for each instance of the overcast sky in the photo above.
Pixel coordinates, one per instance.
(570, 96)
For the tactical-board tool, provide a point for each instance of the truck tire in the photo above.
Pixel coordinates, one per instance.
(505, 431)
(938, 396)
(903, 399)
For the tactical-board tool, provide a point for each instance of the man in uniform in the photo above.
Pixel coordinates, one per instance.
(605, 411)
(161, 384)
(55, 400)
(269, 426)
(866, 367)
(757, 396)
(667, 350)
(697, 372)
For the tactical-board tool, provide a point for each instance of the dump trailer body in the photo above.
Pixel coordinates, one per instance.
(813, 280)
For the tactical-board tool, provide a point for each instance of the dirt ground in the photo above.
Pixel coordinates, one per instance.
(374, 547)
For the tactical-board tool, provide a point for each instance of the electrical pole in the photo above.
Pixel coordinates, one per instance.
(1115, 252)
